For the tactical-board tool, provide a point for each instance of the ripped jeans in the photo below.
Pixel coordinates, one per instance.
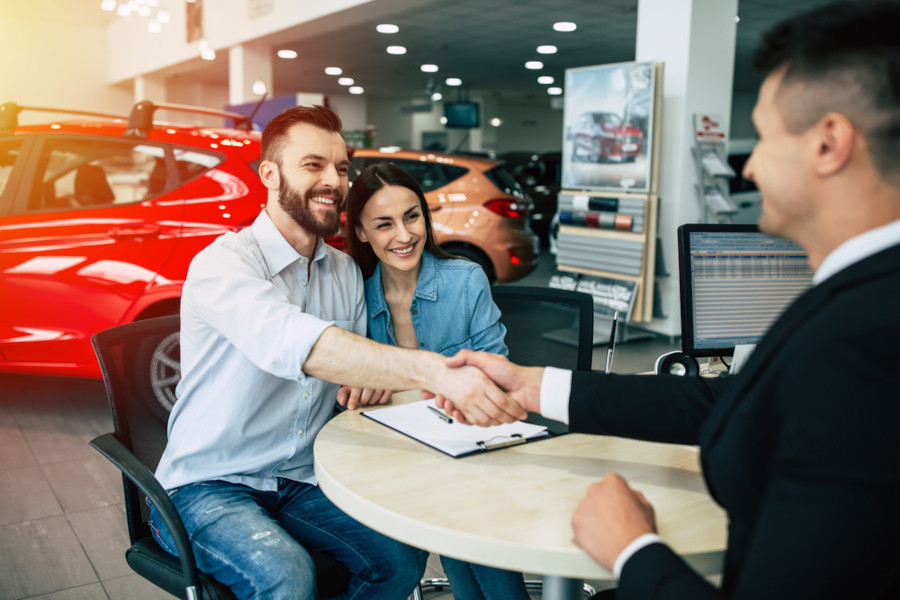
(253, 542)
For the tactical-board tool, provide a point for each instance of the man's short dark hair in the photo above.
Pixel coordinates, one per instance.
(844, 57)
(275, 130)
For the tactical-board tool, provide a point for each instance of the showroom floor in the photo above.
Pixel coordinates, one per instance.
(62, 520)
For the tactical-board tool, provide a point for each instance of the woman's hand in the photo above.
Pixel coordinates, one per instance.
(353, 397)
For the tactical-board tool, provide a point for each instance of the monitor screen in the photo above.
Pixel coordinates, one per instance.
(735, 281)
(462, 115)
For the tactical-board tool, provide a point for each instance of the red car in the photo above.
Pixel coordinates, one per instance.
(99, 219)
(602, 137)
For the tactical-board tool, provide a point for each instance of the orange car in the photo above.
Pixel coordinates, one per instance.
(478, 209)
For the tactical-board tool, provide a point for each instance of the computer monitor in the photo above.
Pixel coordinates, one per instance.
(735, 281)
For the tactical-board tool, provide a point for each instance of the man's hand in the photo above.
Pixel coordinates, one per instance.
(610, 517)
(353, 397)
(522, 384)
(473, 398)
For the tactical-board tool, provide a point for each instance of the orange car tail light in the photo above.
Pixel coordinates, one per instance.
(507, 207)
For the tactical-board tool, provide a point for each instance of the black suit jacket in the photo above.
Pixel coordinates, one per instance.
(802, 448)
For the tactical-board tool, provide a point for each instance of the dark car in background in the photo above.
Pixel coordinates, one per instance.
(540, 175)
(604, 137)
(479, 211)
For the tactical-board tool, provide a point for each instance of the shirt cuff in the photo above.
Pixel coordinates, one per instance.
(556, 384)
(632, 548)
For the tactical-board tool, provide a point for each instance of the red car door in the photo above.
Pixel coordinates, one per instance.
(91, 223)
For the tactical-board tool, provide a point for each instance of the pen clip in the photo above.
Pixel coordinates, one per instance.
(502, 442)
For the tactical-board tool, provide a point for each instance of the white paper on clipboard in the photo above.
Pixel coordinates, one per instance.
(417, 420)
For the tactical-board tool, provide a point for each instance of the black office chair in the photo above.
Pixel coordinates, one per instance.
(141, 365)
(547, 326)
(544, 326)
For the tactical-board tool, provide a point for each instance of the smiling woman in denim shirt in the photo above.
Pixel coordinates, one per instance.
(418, 296)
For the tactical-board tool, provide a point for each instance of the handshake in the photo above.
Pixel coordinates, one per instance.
(475, 388)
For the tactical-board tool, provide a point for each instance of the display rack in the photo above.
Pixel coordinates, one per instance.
(710, 152)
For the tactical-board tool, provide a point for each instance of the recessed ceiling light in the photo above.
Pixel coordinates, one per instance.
(288, 54)
(429, 68)
(346, 81)
(356, 89)
(154, 26)
(565, 26)
(208, 54)
(554, 91)
(548, 49)
(545, 80)
(534, 65)
(454, 81)
(495, 122)
(108, 5)
(333, 70)
(387, 28)
(259, 88)
(436, 96)
(396, 50)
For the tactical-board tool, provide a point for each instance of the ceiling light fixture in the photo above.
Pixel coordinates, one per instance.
(387, 28)
(555, 91)
(356, 89)
(333, 70)
(545, 80)
(396, 50)
(429, 68)
(495, 122)
(259, 88)
(547, 49)
(287, 54)
(346, 81)
(453, 81)
(140, 8)
(565, 26)
(534, 65)
(436, 96)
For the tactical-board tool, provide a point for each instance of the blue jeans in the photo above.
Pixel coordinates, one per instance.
(478, 582)
(253, 542)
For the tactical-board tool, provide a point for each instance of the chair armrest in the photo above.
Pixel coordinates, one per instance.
(118, 454)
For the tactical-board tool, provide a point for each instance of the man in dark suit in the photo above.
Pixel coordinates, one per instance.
(802, 448)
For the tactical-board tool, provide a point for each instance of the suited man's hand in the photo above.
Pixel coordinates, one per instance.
(610, 517)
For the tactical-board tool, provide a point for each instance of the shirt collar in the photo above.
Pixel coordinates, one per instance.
(858, 248)
(276, 250)
(426, 285)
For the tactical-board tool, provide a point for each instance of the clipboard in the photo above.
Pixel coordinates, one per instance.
(419, 421)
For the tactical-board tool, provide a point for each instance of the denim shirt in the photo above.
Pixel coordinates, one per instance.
(451, 309)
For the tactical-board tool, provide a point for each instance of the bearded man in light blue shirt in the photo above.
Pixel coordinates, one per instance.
(271, 319)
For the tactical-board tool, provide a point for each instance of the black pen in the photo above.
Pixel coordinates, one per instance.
(440, 415)
(611, 348)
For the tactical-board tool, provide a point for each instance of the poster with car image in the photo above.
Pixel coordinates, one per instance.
(608, 127)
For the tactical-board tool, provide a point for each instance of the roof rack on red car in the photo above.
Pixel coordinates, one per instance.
(140, 121)
(9, 114)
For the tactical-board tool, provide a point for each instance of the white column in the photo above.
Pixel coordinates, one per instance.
(695, 40)
(248, 63)
(147, 87)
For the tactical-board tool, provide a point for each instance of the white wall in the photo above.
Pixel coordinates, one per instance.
(50, 64)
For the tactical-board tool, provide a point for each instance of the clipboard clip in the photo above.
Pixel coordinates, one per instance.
(502, 442)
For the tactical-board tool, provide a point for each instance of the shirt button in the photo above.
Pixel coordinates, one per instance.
(415, 312)
(299, 432)
(421, 344)
(306, 394)
(303, 284)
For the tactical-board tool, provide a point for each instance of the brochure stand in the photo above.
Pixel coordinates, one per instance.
(713, 172)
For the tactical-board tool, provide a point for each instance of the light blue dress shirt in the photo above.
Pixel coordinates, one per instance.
(250, 315)
(452, 309)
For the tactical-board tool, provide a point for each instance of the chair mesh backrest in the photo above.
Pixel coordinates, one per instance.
(547, 326)
(141, 365)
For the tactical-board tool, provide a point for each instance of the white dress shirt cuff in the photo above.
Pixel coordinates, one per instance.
(631, 549)
(556, 384)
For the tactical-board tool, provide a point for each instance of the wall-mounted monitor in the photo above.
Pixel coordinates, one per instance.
(462, 115)
(735, 282)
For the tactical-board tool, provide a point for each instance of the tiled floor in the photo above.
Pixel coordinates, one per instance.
(62, 521)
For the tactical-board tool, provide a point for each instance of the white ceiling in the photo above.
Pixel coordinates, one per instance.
(484, 42)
